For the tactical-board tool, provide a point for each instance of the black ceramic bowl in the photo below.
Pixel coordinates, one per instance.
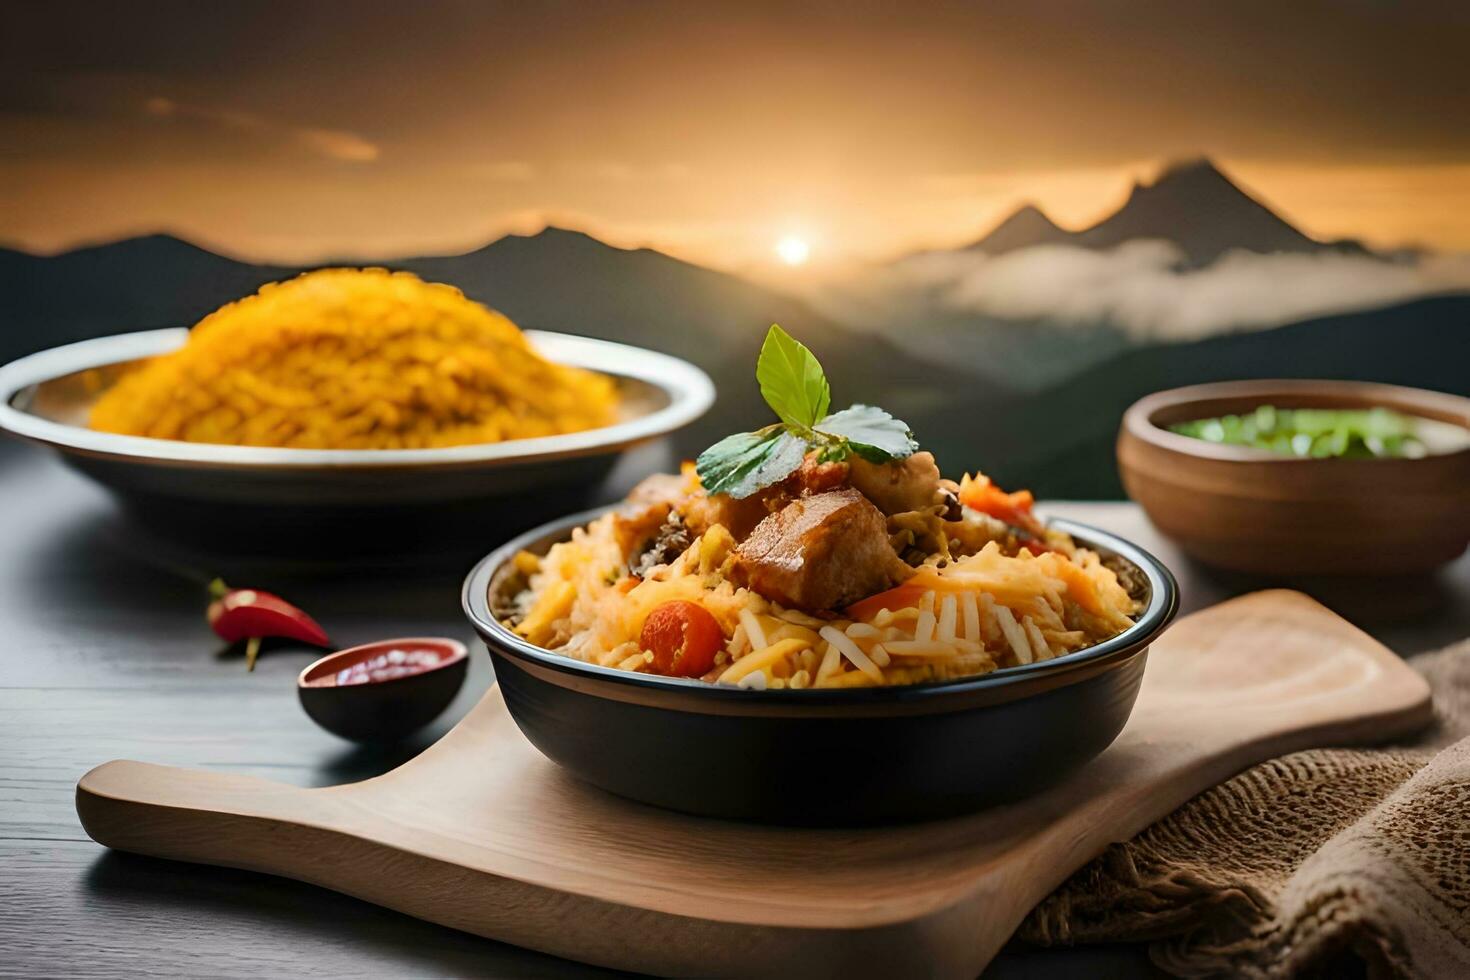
(850, 756)
(383, 710)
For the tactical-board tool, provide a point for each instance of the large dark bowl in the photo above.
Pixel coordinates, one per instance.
(852, 756)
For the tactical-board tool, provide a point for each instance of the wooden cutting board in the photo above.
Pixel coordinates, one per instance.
(481, 833)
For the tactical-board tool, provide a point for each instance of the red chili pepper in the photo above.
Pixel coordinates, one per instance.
(249, 614)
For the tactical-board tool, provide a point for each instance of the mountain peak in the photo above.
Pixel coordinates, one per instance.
(549, 236)
(1028, 215)
(553, 232)
(1028, 225)
(1193, 181)
(154, 243)
(1192, 203)
(1196, 205)
(1190, 169)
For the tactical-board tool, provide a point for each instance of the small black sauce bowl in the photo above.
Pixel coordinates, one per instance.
(383, 711)
(822, 757)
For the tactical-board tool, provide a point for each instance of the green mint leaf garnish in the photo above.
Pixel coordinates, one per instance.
(871, 432)
(748, 461)
(793, 384)
(791, 380)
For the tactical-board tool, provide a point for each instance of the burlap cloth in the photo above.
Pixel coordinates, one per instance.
(1300, 865)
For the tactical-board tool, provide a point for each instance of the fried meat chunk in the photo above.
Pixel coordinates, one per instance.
(820, 552)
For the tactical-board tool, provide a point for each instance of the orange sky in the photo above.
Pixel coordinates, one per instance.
(297, 131)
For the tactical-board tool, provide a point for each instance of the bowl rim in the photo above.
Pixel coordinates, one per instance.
(457, 653)
(1162, 606)
(689, 390)
(1138, 419)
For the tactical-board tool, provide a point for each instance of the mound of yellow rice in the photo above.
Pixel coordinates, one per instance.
(355, 359)
(963, 617)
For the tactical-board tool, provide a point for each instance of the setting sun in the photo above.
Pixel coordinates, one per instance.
(793, 251)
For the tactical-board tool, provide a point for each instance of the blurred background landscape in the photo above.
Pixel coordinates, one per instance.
(1003, 223)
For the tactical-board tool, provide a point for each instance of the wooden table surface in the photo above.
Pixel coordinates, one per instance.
(107, 656)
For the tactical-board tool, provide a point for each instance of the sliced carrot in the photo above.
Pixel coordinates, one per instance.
(1080, 587)
(899, 597)
(978, 493)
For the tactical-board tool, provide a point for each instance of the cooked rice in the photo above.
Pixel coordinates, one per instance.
(355, 359)
(973, 615)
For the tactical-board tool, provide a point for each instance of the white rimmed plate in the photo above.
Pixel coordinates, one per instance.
(46, 398)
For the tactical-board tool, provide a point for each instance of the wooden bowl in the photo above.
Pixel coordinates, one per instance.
(857, 756)
(383, 710)
(1252, 510)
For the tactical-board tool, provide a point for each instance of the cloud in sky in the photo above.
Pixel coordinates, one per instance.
(337, 144)
(334, 144)
(1141, 288)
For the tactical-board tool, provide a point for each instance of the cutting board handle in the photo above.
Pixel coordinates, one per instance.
(184, 814)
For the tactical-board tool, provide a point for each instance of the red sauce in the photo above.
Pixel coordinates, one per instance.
(387, 666)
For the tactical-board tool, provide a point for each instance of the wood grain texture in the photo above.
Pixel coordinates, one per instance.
(107, 656)
(481, 833)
